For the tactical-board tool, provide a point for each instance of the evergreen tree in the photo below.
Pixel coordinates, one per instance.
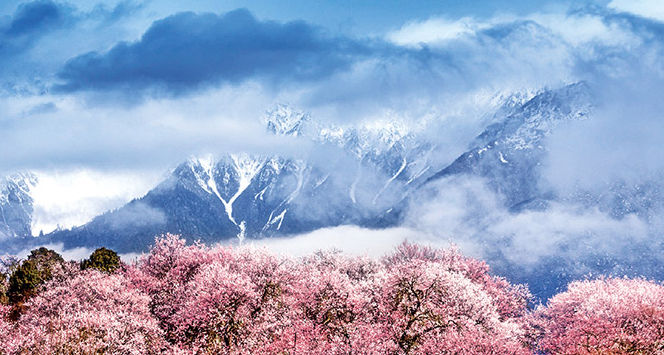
(102, 259)
(34, 271)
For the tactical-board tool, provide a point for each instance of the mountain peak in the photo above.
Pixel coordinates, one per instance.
(16, 204)
(22, 181)
(284, 120)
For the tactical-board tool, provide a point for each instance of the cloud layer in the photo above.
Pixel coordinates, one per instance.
(187, 50)
(233, 66)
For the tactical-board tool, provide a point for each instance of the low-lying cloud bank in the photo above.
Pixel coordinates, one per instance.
(73, 197)
(464, 209)
(352, 240)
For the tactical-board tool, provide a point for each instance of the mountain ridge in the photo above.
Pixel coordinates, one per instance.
(237, 195)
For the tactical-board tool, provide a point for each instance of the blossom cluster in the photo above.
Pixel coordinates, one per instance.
(190, 299)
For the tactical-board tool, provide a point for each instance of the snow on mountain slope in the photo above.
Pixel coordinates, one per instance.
(509, 153)
(237, 196)
(283, 120)
(363, 178)
(245, 168)
(16, 205)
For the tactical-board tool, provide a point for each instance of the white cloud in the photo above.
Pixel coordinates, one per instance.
(434, 30)
(157, 133)
(564, 231)
(576, 29)
(349, 239)
(71, 198)
(464, 211)
(579, 29)
(90, 132)
(622, 142)
(653, 9)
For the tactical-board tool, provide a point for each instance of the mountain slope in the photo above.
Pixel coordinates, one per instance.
(363, 178)
(16, 205)
(365, 173)
(509, 153)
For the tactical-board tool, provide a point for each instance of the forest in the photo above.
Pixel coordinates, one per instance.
(186, 299)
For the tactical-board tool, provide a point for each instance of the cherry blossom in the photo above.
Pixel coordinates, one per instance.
(606, 316)
(439, 301)
(89, 313)
(191, 299)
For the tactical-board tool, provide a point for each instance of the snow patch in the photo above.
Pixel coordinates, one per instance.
(279, 218)
(502, 158)
(284, 120)
(246, 168)
(389, 181)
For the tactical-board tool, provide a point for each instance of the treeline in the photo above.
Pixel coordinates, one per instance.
(184, 299)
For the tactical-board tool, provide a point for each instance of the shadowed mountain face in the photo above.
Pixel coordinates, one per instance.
(363, 179)
(510, 154)
(511, 157)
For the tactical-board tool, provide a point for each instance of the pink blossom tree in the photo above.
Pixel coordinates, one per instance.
(163, 274)
(334, 306)
(235, 304)
(92, 312)
(606, 316)
(7, 340)
(182, 298)
(218, 299)
(244, 300)
(437, 301)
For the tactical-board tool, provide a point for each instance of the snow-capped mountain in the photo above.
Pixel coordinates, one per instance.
(363, 176)
(16, 205)
(364, 173)
(509, 153)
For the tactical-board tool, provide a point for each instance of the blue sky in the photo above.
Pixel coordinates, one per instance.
(369, 16)
(357, 16)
